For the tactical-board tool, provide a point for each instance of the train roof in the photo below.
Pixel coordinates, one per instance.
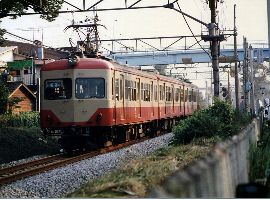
(101, 63)
(82, 63)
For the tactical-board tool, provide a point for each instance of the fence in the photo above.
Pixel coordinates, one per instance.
(215, 175)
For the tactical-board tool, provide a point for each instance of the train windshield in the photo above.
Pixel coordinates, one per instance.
(87, 88)
(55, 89)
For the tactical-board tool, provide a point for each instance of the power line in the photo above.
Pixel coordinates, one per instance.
(192, 32)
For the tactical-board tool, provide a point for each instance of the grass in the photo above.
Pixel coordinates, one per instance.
(137, 177)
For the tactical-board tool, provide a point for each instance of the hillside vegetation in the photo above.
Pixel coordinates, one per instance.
(21, 137)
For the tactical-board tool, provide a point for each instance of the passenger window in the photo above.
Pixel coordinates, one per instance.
(55, 89)
(87, 88)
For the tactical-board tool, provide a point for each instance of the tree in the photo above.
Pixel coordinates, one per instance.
(7, 104)
(47, 8)
(4, 93)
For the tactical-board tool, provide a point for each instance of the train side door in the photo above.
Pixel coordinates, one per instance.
(114, 96)
(152, 98)
(158, 97)
(192, 97)
(139, 96)
(121, 95)
(173, 96)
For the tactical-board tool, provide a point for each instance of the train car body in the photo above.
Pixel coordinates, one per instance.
(99, 102)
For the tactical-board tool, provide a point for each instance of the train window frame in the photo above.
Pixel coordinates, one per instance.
(186, 95)
(155, 93)
(121, 91)
(56, 95)
(113, 89)
(190, 96)
(177, 94)
(100, 89)
(117, 86)
(182, 94)
(138, 90)
(161, 97)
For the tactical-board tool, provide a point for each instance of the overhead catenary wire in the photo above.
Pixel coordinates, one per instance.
(192, 32)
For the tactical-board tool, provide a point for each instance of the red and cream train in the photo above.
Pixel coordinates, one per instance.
(98, 102)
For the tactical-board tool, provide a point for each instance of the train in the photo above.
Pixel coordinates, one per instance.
(97, 102)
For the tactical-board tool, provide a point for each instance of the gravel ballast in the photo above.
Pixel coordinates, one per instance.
(59, 182)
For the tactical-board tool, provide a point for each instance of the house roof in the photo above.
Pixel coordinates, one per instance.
(14, 86)
(7, 49)
(27, 49)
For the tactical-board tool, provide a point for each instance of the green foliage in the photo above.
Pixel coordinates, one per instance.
(13, 102)
(4, 93)
(19, 143)
(2, 32)
(24, 119)
(50, 7)
(259, 156)
(218, 120)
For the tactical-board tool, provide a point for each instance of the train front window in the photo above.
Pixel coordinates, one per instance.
(87, 88)
(55, 89)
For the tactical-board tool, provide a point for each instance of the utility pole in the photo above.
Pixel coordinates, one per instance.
(245, 73)
(214, 35)
(236, 88)
(268, 15)
(252, 98)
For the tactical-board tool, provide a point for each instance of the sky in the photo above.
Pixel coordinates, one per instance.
(251, 22)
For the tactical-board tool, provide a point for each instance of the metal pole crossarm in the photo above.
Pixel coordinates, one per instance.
(135, 3)
(72, 5)
(172, 43)
(94, 5)
(213, 37)
(150, 38)
(171, 6)
(88, 10)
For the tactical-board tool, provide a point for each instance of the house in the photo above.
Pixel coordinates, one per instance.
(23, 62)
(6, 54)
(28, 98)
(28, 60)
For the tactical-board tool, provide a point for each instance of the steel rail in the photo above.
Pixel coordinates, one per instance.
(11, 174)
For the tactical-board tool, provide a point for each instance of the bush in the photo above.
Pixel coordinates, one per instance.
(259, 157)
(19, 143)
(24, 119)
(218, 120)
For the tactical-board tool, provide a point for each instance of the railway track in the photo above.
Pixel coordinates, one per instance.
(17, 172)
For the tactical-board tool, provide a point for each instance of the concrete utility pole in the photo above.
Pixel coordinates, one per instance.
(268, 15)
(236, 88)
(245, 73)
(213, 32)
(252, 97)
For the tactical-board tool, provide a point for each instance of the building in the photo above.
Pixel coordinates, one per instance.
(28, 59)
(28, 98)
(23, 62)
